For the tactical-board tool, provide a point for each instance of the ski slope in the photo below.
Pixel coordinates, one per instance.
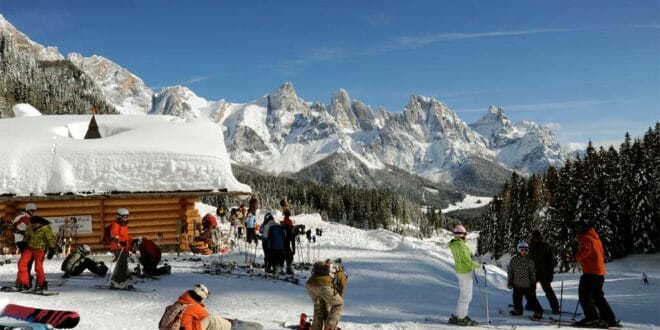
(394, 283)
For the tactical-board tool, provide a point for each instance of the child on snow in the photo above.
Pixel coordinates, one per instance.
(522, 279)
(464, 267)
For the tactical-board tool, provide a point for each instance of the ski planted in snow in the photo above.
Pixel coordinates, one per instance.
(56, 318)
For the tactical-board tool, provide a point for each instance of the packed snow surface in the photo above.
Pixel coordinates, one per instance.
(137, 153)
(394, 282)
(469, 202)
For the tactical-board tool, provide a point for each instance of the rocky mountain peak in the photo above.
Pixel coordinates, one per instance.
(494, 125)
(26, 45)
(342, 111)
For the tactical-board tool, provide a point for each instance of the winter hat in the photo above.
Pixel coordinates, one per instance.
(459, 231)
(30, 207)
(522, 245)
(37, 219)
(201, 291)
(85, 248)
(122, 212)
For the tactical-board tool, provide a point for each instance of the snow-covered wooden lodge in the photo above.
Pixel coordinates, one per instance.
(156, 166)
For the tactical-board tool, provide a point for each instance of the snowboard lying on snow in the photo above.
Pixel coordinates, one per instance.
(56, 318)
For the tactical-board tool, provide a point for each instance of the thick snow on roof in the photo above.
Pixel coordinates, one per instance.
(137, 153)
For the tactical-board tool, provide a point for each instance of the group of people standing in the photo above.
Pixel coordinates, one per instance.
(535, 263)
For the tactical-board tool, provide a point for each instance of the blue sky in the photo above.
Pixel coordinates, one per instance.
(588, 69)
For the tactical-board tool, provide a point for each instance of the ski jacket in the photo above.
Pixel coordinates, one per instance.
(590, 253)
(336, 280)
(149, 253)
(192, 317)
(41, 238)
(119, 236)
(251, 221)
(463, 262)
(276, 237)
(22, 218)
(544, 260)
(72, 261)
(289, 235)
(521, 272)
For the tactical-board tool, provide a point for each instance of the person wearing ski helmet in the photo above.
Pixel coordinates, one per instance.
(20, 224)
(591, 256)
(39, 238)
(195, 316)
(119, 246)
(521, 277)
(544, 261)
(464, 266)
(78, 261)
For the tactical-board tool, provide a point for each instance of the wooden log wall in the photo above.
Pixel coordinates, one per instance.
(148, 216)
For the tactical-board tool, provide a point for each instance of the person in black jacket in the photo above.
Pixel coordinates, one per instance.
(544, 261)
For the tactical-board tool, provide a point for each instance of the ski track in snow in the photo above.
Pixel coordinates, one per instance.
(394, 283)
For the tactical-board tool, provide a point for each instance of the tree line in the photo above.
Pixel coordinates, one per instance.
(345, 204)
(616, 191)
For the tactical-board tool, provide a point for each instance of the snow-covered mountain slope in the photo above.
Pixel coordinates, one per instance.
(26, 45)
(523, 146)
(122, 89)
(393, 283)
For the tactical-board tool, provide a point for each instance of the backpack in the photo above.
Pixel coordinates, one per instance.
(171, 319)
(107, 237)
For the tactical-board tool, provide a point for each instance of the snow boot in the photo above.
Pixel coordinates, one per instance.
(467, 321)
(537, 317)
(452, 319)
(515, 312)
(584, 323)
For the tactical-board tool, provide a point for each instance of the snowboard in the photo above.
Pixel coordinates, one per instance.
(56, 318)
(41, 293)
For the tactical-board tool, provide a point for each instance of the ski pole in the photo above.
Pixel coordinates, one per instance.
(561, 301)
(486, 295)
(576, 307)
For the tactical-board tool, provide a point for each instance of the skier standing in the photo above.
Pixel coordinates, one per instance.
(119, 240)
(464, 266)
(544, 262)
(39, 238)
(276, 247)
(522, 279)
(76, 263)
(597, 311)
(289, 241)
(645, 279)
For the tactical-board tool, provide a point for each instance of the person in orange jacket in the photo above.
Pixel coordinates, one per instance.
(591, 256)
(195, 316)
(119, 246)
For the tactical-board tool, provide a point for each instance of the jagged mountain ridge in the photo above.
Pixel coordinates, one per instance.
(281, 132)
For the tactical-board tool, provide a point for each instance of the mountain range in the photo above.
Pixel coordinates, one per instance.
(343, 142)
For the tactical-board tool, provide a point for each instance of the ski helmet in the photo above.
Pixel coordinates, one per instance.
(30, 207)
(201, 291)
(122, 212)
(522, 245)
(459, 231)
(85, 248)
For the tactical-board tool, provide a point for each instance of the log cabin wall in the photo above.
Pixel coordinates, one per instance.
(148, 217)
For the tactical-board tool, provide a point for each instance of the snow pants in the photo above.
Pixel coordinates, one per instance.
(24, 266)
(592, 299)
(530, 295)
(550, 294)
(465, 295)
(328, 306)
(98, 268)
(215, 322)
(120, 273)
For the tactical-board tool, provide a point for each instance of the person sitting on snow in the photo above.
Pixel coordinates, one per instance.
(77, 262)
(150, 255)
(522, 279)
(195, 316)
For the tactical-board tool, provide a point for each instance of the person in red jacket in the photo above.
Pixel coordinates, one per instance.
(591, 256)
(150, 255)
(195, 316)
(119, 240)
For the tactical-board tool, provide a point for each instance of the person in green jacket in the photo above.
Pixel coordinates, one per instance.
(39, 238)
(464, 266)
